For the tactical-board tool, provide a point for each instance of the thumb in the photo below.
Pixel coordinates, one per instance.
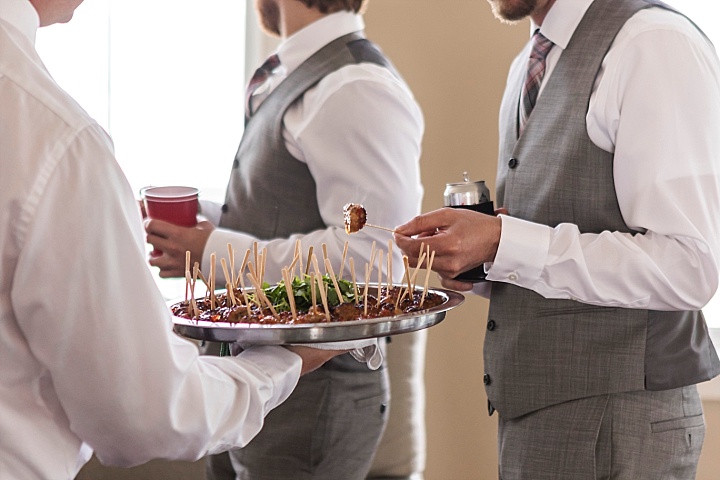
(501, 211)
(425, 223)
(159, 227)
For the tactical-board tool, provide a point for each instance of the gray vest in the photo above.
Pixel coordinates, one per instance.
(540, 352)
(272, 194)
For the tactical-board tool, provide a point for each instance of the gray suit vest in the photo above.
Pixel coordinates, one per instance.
(272, 194)
(539, 352)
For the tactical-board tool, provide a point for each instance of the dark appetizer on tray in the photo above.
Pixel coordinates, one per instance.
(305, 295)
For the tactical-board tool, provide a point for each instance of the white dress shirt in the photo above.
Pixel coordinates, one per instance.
(656, 105)
(88, 359)
(367, 155)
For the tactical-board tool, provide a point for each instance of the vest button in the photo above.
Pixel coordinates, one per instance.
(224, 208)
(512, 163)
(236, 163)
(486, 379)
(491, 325)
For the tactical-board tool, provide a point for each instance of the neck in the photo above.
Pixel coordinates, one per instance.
(295, 16)
(541, 12)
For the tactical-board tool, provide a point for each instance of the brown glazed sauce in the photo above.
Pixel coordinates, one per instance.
(225, 312)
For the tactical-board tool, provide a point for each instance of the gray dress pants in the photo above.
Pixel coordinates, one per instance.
(624, 436)
(328, 429)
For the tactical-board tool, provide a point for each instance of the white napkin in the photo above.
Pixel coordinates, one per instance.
(366, 351)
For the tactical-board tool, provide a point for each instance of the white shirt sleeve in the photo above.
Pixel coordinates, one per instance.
(657, 106)
(360, 132)
(89, 310)
(211, 211)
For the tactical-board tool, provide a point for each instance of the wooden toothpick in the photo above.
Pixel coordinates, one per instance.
(379, 227)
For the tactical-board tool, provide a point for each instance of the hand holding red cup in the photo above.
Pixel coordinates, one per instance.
(175, 204)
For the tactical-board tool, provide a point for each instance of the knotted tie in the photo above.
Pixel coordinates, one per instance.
(536, 69)
(259, 77)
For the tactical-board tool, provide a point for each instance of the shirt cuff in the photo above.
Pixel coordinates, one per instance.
(522, 251)
(279, 364)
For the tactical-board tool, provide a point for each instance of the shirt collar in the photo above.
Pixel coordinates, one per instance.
(22, 15)
(297, 48)
(562, 20)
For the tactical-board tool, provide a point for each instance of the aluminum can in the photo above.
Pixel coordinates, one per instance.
(472, 196)
(466, 194)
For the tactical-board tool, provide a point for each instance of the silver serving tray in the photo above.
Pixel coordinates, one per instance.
(280, 334)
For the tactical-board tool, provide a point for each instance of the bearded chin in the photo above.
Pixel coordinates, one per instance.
(269, 16)
(512, 11)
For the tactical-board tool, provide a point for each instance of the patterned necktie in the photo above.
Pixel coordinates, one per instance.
(536, 69)
(259, 77)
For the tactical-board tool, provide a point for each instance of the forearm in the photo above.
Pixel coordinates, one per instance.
(609, 269)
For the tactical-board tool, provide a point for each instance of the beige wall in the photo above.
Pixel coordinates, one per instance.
(455, 55)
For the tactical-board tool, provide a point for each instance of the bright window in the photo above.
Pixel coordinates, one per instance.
(165, 79)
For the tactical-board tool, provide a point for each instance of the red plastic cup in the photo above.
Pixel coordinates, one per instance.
(177, 205)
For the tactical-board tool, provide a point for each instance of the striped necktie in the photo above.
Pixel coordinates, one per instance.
(259, 77)
(536, 69)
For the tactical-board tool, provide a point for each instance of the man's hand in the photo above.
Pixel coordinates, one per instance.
(313, 358)
(456, 285)
(174, 241)
(462, 239)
